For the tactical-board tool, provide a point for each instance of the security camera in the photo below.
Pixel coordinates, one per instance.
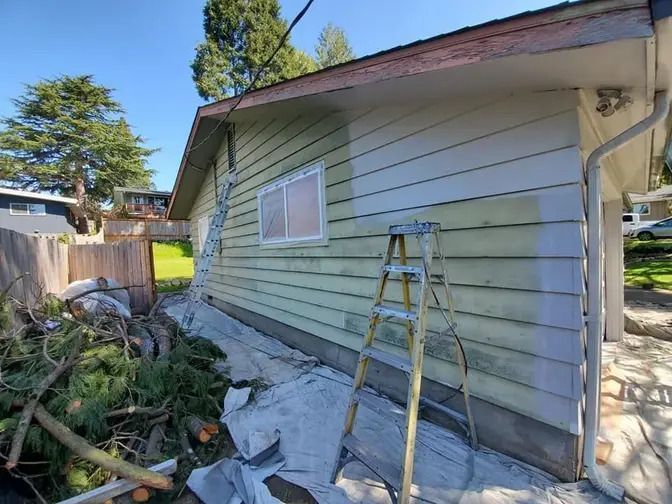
(605, 104)
(605, 107)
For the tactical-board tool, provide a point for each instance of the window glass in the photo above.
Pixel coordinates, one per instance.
(292, 209)
(303, 210)
(27, 209)
(627, 218)
(642, 208)
(18, 208)
(273, 215)
(37, 209)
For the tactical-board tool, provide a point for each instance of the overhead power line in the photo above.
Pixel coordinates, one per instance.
(254, 80)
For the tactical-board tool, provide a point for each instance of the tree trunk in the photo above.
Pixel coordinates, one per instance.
(80, 195)
(81, 447)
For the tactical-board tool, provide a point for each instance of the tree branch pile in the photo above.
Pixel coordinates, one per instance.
(85, 400)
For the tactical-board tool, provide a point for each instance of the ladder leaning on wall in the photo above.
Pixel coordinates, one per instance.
(213, 237)
(210, 246)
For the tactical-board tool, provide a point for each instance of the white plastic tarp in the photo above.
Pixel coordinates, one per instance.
(307, 403)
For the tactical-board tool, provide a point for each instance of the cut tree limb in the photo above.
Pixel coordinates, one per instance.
(33, 401)
(138, 410)
(81, 447)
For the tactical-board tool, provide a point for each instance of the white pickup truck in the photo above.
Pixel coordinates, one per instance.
(632, 222)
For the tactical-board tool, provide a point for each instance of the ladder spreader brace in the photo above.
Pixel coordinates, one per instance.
(209, 248)
(398, 481)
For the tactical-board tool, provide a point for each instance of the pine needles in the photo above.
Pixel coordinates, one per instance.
(165, 384)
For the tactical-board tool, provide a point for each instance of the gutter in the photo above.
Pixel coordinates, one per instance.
(595, 318)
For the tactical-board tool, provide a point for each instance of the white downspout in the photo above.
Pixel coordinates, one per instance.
(595, 317)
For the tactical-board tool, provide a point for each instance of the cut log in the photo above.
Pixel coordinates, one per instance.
(102, 494)
(81, 447)
(141, 494)
(197, 429)
(211, 428)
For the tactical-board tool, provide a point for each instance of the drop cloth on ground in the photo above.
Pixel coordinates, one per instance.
(307, 403)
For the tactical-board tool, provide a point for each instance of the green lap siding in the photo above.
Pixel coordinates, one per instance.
(503, 176)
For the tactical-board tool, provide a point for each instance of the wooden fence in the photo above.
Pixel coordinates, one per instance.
(45, 259)
(53, 265)
(145, 229)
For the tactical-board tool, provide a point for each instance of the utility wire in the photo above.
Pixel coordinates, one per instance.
(254, 80)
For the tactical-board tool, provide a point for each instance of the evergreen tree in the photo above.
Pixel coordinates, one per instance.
(239, 36)
(68, 136)
(333, 47)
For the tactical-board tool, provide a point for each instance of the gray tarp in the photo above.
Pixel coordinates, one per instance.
(307, 403)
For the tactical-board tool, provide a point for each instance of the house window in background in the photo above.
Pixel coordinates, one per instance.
(292, 209)
(27, 209)
(641, 208)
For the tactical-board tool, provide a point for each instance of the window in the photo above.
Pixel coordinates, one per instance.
(27, 209)
(292, 209)
(138, 200)
(641, 208)
(627, 218)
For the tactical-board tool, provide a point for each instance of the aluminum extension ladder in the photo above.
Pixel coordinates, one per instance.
(209, 248)
(398, 482)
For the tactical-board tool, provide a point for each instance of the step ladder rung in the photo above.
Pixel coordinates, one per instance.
(455, 415)
(402, 268)
(387, 311)
(392, 360)
(379, 464)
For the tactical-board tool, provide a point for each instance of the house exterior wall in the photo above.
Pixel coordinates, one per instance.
(504, 178)
(56, 220)
(659, 210)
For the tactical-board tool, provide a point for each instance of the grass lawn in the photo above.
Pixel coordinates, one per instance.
(659, 273)
(173, 260)
(635, 248)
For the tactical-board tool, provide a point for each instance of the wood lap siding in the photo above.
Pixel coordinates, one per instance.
(503, 175)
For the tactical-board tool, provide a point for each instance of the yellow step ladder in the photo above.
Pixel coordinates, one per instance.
(398, 482)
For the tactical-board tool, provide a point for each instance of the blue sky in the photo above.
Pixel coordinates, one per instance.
(142, 49)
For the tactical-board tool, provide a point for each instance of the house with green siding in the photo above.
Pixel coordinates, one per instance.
(487, 131)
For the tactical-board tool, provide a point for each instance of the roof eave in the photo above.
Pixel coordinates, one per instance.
(537, 32)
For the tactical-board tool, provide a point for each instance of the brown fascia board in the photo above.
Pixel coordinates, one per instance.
(563, 26)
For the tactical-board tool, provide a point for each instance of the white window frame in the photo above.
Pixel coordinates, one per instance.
(320, 239)
(28, 206)
(648, 206)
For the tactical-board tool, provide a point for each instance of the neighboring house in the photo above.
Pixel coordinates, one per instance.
(142, 203)
(488, 131)
(653, 206)
(29, 212)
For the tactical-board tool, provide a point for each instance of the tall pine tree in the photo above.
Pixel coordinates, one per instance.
(333, 47)
(239, 36)
(70, 137)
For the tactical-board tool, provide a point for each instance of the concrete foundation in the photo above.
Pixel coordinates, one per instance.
(541, 445)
